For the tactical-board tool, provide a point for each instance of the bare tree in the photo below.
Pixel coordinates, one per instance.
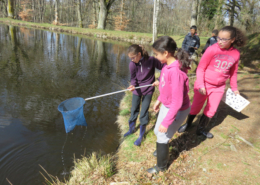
(104, 8)
(194, 12)
(199, 11)
(10, 9)
(155, 18)
(248, 15)
(232, 7)
(218, 13)
(79, 13)
(3, 8)
(55, 22)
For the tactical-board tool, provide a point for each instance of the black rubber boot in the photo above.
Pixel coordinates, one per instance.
(201, 129)
(162, 158)
(131, 128)
(188, 124)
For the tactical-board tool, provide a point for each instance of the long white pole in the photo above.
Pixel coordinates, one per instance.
(116, 92)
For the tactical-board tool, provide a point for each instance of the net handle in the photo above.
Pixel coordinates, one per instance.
(116, 92)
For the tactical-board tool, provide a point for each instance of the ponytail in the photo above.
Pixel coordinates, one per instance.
(135, 49)
(240, 38)
(184, 59)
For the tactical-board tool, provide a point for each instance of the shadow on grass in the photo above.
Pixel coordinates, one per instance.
(190, 139)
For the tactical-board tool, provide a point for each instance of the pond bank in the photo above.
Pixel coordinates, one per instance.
(105, 35)
(130, 162)
(132, 37)
(193, 159)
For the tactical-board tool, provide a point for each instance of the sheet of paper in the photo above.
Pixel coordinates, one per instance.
(236, 102)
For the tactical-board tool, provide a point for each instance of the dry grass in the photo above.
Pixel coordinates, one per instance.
(94, 169)
(231, 157)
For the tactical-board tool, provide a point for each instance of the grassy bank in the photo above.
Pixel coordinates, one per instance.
(126, 164)
(193, 159)
(130, 37)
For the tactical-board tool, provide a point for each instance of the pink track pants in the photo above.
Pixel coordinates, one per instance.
(213, 94)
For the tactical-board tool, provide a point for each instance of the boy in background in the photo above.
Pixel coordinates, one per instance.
(212, 40)
(191, 42)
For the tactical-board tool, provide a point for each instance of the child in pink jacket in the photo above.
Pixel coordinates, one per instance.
(219, 63)
(174, 99)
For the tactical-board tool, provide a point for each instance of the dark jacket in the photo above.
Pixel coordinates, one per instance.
(210, 42)
(190, 42)
(142, 73)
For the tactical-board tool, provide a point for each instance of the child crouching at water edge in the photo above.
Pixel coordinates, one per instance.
(142, 69)
(173, 98)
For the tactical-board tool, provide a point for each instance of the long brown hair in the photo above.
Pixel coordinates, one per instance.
(135, 49)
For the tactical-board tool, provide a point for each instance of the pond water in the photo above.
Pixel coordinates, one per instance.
(39, 70)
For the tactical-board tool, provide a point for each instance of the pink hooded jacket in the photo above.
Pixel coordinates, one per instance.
(216, 66)
(174, 88)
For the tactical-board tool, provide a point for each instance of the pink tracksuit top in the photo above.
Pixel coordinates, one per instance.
(174, 88)
(216, 66)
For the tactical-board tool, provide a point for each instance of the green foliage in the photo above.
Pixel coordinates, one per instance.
(131, 37)
(124, 112)
(209, 8)
(223, 136)
(241, 66)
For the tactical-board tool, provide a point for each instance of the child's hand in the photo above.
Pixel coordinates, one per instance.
(156, 106)
(162, 129)
(131, 88)
(236, 92)
(202, 91)
(156, 83)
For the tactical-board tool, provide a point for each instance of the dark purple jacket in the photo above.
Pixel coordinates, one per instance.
(142, 73)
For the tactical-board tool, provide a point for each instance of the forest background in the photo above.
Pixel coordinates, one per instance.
(167, 17)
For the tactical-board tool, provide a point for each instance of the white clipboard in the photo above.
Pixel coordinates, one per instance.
(236, 102)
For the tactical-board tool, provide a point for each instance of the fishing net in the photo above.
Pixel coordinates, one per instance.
(72, 112)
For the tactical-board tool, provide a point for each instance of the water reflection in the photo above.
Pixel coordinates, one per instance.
(40, 69)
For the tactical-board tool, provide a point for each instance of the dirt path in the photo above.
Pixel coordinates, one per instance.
(231, 157)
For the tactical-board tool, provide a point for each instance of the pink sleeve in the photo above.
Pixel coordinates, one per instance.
(204, 62)
(233, 77)
(176, 100)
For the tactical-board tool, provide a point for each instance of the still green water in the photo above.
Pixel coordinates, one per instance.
(39, 70)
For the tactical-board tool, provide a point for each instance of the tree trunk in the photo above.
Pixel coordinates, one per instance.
(94, 13)
(79, 13)
(56, 12)
(102, 15)
(10, 9)
(198, 11)
(155, 18)
(4, 9)
(121, 14)
(194, 12)
(33, 8)
(232, 12)
(218, 13)
(60, 11)
(43, 10)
